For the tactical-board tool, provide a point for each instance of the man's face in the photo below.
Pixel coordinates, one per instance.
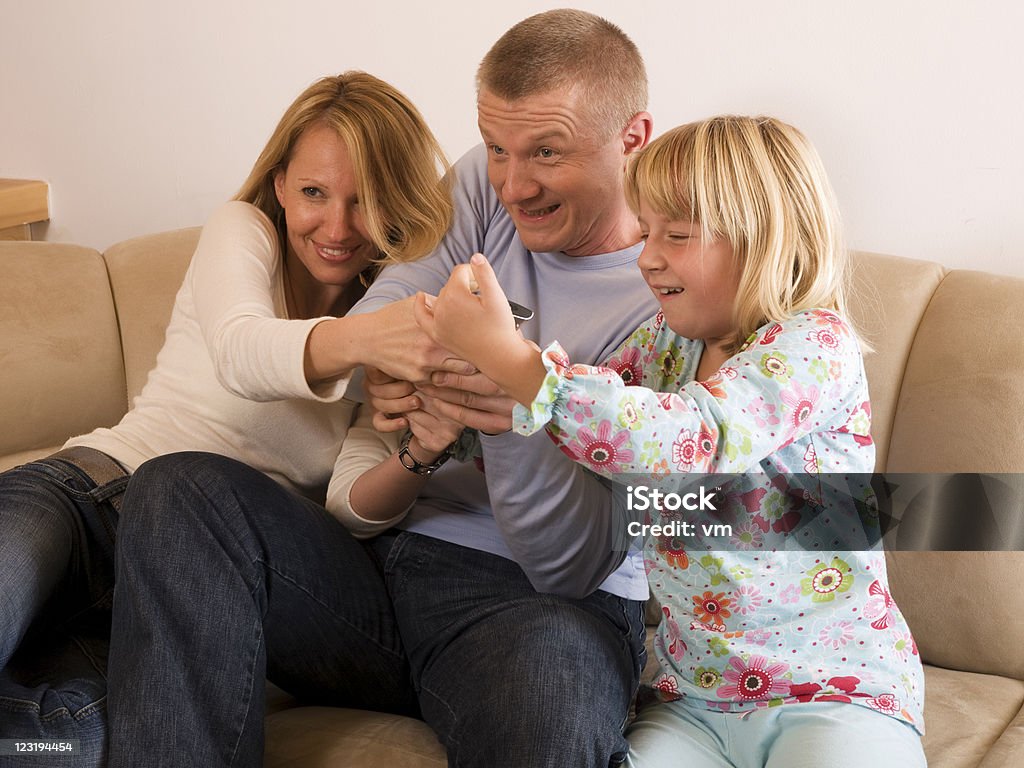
(559, 180)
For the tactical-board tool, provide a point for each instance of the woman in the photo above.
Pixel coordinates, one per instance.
(254, 367)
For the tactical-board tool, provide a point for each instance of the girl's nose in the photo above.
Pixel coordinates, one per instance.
(650, 258)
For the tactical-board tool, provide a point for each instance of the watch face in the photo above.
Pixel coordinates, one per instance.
(520, 313)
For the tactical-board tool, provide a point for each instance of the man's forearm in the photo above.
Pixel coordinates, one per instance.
(558, 520)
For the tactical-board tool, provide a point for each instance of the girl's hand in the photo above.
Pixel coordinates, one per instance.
(470, 317)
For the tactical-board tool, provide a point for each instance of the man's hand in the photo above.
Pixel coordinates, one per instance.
(472, 400)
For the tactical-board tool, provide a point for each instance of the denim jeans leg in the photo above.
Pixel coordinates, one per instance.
(56, 583)
(508, 676)
(225, 578)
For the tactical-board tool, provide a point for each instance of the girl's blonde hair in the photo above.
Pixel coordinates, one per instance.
(760, 184)
(406, 207)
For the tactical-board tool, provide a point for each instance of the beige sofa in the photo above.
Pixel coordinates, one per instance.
(79, 330)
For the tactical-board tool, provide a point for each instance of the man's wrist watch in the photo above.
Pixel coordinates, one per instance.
(409, 461)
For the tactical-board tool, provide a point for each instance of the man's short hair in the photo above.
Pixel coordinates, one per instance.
(569, 48)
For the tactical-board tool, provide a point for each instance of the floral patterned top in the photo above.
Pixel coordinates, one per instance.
(755, 617)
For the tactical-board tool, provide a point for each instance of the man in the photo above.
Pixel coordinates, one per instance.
(561, 99)
(519, 617)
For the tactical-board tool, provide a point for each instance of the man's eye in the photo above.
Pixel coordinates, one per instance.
(546, 152)
(495, 149)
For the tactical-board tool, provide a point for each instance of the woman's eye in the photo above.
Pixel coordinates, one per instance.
(311, 191)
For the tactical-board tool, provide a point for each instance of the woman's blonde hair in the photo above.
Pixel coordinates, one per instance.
(406, 207)
(760, 184)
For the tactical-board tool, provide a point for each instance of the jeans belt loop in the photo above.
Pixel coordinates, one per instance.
(96, 464)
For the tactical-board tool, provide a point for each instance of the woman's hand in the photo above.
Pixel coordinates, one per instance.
(403, 350)
(389, 339)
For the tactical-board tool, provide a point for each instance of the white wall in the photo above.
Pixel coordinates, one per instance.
(142, 116)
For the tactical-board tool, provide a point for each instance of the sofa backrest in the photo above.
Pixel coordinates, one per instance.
(79, 333)
(145, 274)
(946, 380)
(61, 371)
(947, 391)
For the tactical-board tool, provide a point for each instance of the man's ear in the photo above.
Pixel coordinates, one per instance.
(638, 132)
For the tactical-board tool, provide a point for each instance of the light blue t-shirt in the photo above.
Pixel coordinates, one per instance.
(532, 504)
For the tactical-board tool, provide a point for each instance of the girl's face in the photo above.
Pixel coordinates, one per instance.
(321, 208)
(694, 280)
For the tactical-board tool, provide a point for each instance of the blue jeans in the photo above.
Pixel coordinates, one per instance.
(56, 586)
(507, 676)
(224, 578)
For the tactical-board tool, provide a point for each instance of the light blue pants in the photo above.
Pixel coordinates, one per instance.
(807, 735)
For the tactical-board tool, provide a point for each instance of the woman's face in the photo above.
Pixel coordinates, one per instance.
(321, 207)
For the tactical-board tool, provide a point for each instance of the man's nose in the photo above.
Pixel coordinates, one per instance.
(519, 184)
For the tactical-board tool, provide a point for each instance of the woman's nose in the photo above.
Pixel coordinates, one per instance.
(339, 223)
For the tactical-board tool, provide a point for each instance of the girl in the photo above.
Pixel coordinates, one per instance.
(750, 368)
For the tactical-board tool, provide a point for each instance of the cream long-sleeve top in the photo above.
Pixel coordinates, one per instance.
(229, 378)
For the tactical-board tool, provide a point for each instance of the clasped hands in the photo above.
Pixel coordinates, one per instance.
(472, 323)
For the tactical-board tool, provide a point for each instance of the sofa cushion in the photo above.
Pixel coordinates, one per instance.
(966, 714)
(329, 736)
(60, 355)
